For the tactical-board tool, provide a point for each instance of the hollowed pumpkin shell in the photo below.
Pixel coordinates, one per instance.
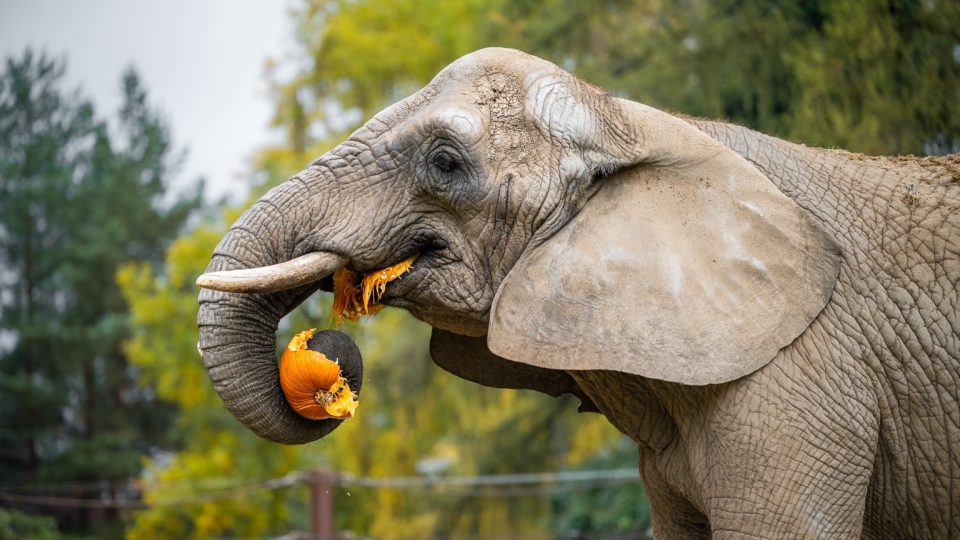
(313, 383)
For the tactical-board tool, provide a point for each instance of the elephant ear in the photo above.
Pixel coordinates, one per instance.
(687, 265)
(470, 359)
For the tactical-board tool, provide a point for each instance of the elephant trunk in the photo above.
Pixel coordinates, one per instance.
(238, 330)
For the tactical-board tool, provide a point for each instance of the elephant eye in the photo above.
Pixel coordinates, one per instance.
(445, 162)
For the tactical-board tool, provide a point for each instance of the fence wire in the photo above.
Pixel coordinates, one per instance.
(122, 495)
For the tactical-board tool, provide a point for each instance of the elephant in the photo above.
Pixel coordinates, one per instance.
(776, 326)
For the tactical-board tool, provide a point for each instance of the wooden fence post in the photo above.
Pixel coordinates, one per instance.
(322, 483)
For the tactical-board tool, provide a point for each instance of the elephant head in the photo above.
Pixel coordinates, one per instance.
(574, 230)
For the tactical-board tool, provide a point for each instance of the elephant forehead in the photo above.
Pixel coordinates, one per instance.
(464, 123)
(555, 109)
(461, 67)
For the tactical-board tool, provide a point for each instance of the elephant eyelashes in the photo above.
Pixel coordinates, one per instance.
(445, 162)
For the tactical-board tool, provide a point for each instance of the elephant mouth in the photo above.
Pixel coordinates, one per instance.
(398, 290)
(429, 255)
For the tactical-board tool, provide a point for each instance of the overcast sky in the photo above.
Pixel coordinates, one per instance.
(202, 62)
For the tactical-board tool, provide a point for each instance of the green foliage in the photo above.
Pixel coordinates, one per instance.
(77, 199)
(43, 133)
(365, 55)
(602, 511)
(15, 525)
(877, 76)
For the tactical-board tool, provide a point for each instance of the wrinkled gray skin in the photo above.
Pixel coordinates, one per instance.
(836, 418)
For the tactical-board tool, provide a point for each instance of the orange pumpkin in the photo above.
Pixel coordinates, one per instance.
(313, 384)
(355, 295)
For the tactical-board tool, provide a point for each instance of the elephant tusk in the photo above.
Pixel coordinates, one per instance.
(278, 277)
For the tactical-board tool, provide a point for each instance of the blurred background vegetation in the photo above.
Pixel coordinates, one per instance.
(108, 424)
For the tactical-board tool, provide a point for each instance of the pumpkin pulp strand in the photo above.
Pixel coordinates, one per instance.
(355, 295)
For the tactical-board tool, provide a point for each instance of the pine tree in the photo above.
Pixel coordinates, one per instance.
(78, 197)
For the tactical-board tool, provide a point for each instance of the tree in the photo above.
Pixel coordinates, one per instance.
(46, 138)
(14, 524)
(878, 76)
(78, 197)
(361, 56)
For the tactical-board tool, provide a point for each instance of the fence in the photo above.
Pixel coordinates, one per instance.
(322, 485)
